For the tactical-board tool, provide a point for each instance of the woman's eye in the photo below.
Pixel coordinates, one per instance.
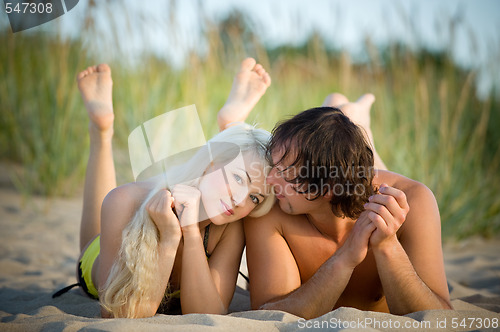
(238, 178)
(254, 199)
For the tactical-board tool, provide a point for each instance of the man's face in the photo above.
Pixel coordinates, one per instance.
(289, 199)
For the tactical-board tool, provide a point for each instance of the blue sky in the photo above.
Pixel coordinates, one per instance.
(147, 25)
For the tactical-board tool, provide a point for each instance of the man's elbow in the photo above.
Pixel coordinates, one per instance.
(446, 305)
(302, 311)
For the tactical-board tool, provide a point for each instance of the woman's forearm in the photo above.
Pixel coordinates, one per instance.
(199, 293)
(150, 302)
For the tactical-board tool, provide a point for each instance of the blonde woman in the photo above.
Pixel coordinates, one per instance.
(136, 257)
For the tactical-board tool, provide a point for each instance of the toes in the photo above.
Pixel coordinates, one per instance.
(248, 64)
(92, 69)
(366, 100)
(103, 67)
(260, 71)
(266, 79)
(335, 100)
(88, 70)
(81, 74)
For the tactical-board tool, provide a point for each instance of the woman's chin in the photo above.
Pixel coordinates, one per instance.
(221, 219)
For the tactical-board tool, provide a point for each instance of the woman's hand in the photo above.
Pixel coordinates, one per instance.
(387, 211)
(187, 205)
(160, 210)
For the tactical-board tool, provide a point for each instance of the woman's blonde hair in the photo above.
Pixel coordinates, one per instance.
(133, 273)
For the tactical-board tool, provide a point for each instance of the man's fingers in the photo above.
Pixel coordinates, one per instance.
(398, 195)
(380, 210)
(379, 223)
(387, 201)
(364, 226)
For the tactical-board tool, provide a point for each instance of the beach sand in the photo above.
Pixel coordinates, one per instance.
(39, 248)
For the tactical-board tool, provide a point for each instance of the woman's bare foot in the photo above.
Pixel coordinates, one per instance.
(95, 86)
(249, 86)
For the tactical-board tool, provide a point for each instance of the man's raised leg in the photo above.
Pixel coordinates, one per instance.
(359, 113)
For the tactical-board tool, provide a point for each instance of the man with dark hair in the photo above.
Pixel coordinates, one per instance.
(342, 233)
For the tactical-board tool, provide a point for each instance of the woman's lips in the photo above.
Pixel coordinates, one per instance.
(227, 210)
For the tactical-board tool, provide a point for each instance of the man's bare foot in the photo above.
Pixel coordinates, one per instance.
(359, 113)
(95, 86)
(249, 86)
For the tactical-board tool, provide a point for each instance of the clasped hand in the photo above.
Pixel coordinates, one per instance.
(185, 200)
(377, 226)
(387, 210)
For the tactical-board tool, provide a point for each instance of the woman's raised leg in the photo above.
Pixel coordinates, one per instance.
(249, 85)
(95, 86)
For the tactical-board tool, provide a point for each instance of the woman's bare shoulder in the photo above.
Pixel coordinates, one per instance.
(130, 193)
(121, 203)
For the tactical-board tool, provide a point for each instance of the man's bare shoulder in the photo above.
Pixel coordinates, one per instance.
(275, 220)
(424, 211)
(271, 220)
(414, 190)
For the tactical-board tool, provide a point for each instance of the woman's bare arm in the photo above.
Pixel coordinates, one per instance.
(207, 286)
(118, 209)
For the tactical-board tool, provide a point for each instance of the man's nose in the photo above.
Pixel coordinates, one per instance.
(271, 178)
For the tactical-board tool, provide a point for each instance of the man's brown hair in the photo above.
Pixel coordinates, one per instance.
(329, 153)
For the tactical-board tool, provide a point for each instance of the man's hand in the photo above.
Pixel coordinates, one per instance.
(356, 246)
(387, 211)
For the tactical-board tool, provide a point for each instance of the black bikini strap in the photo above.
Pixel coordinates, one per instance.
(205, 240)
(64, 290)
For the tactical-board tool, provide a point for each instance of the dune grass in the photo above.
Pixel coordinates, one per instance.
(428, 122)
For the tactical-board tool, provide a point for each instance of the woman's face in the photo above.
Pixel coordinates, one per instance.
(230, 192)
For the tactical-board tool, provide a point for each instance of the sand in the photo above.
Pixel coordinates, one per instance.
(39, 248)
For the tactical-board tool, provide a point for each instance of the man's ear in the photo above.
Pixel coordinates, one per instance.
(328, 195)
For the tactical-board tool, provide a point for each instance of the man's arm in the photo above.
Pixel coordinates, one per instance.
(411, 269)
(274, 276)
(272, 268)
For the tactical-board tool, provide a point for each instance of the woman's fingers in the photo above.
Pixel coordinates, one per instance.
(160, 204)
(187, 202)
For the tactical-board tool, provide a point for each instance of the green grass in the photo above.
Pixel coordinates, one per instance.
(42, 125)
(428, 122)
